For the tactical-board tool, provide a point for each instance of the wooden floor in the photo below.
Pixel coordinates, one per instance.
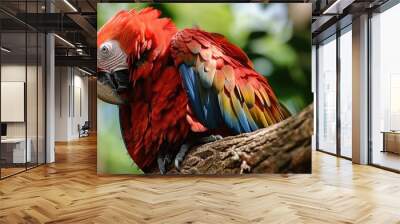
(69, 191)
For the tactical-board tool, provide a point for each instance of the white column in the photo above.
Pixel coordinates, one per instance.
(360, 90)
(50, 92)
(314, 91)
(50, 100)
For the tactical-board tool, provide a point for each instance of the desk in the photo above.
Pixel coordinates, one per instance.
(391, 141)
(13, 150)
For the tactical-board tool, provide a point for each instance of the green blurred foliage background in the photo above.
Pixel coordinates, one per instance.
(112, 156)
(276, 37)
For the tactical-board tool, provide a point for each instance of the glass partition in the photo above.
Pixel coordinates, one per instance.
(385, 89)
(14, 151)
(32, 98)
(346, 92)
(22, 101)
(327, 96)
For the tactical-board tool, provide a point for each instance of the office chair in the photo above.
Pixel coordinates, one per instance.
(84, 130)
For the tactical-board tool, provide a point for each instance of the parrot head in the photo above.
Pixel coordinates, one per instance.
(129, 48)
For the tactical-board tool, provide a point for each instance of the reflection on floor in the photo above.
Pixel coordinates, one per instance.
(387, 159)
(70, 191)
(11, 169)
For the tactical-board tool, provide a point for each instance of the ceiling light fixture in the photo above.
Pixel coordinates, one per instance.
(337, 7)
(5, 49)
(70, 5)
(64, 40)
(331, 7)
(80, 51)
(84, 71)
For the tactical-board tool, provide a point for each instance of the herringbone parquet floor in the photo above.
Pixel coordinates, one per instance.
(69, 191)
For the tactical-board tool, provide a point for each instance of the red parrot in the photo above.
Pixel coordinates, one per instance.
(178, 88)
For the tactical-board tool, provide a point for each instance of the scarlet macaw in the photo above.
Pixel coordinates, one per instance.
(175, 87)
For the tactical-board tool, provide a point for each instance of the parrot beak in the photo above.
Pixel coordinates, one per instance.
(112, 87)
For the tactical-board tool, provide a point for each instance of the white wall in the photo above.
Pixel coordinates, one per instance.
(80, 89)
(71, 94)
(62, 80)
(16, 73)
(33, 127)
(13, 73)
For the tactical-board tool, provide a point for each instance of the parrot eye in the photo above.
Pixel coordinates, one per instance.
(110, 57)
(105, 50)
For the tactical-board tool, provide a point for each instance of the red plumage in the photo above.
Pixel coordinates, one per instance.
(158, 115)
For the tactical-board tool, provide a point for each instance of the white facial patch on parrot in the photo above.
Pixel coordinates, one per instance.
(110, 57)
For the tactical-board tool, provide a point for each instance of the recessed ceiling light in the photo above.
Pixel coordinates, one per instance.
(337, 7)
(84, 71)
(5, 50)
(70, 5)
(64, 40)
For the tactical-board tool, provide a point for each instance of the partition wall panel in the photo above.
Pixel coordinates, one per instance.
(326, 95)
(41, 97)
(31, 99)
(385, 89)
(345, 60)
(14, 153)
(334, 93)
(22, 80)
(382, 69)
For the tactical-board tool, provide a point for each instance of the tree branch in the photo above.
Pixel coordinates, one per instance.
(282, 148)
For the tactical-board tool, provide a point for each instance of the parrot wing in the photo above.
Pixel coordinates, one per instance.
(222, 85)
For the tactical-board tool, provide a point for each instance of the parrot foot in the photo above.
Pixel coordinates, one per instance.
(163, 160)
(185, 148)
(181, 155)
(208, 139)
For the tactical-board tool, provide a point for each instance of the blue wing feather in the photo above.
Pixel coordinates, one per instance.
(207, 105)
(191, 87)
(212, 114)
(228, 114)
(210, 74)
(243, 120)
(203, 102)
(252, 123)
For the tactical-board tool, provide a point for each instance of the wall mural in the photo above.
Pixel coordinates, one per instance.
(204, 88)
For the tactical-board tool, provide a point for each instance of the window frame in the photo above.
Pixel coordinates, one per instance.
(342, 26)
